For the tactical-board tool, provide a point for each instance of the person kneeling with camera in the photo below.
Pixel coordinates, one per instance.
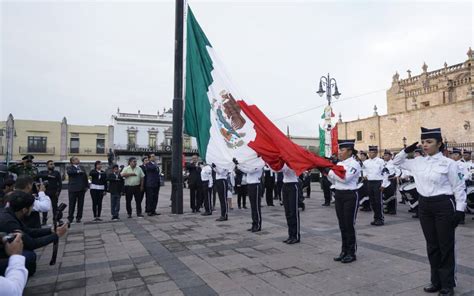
(42, 202)
(16, 274)
(11, 221)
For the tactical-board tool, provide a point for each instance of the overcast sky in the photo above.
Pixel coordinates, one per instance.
(83, 59)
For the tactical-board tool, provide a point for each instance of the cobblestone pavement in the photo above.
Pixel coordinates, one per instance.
(191, 254)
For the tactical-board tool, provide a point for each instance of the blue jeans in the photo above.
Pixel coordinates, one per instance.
(115, 204)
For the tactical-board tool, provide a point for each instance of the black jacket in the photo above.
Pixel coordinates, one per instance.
(116, 183)
(98, 178)
(194, 177)
(54, 179)
(238, 177)
(77, 179)
(32, 238)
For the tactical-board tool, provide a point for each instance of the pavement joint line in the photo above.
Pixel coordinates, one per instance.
(171, 264)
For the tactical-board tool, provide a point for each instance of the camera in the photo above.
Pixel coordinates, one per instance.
(7, 238)
(59, 213)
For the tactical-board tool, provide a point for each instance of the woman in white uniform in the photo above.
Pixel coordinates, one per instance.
(347, 198)
(442, 202)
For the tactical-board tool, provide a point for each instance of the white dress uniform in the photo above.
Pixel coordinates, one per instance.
(442, 202)
(207, 183)
(253, 188)
(346, 200)
(221, 188)
(290, 203)
(373, 168)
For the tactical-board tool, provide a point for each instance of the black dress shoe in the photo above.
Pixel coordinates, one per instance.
(206, 214)
(377, 223)
(256, 229)
(287, 240)
(446, 292)
(326, 204)
(221, 219)
(250, 229)
(431, 288)
(339, 258)
(349, 258)
(293, 241)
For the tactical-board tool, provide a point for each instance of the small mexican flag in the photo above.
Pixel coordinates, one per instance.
(328, 133)
(225, 126)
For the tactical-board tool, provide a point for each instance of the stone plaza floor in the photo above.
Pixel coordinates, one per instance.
(191, 254)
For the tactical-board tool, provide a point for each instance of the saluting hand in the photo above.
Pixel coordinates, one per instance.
(411, 148)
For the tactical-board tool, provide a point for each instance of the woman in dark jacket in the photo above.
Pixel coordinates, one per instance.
(98, 189)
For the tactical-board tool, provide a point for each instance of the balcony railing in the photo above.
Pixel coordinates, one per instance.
(152, 149)
(88, 151)
(37, 150)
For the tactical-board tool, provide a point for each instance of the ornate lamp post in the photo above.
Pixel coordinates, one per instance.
(404, 142)
(326, 85)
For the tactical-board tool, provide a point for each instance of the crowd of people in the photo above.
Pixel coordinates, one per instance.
(436, 188)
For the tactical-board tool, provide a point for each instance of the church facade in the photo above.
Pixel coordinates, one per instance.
(440, 98)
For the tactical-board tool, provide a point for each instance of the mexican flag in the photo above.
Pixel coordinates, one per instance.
(328, 133)
(224, 125)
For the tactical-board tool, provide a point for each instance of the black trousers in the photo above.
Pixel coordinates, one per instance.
(375, 197)
(308, 190)
(277, 188)
(130, 193)
(436, 219)
(292, 213)
(97, 196)
(207, 196)
(151, 201)
(76, 197)
(255, 205)
(390, 197)
(53, 195)
(326, 187)
(346, 211)
(364, 200)
(241, 195)
(195, 196)
(269, 193)
(214, 195)
(221, 188)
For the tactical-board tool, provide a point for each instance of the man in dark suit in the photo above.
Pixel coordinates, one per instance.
(77, 187)
(194, 182)
(53, 189)
(152, 185)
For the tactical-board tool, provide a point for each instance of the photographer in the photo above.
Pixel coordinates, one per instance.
(42, 202)
(7, 187)
(53, 183)
(11, 221)
(16, 274)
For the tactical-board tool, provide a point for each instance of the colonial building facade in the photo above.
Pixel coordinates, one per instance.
(53, 140)
(138, 134)
(440, 98)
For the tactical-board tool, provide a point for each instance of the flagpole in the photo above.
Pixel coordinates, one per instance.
(177, 145)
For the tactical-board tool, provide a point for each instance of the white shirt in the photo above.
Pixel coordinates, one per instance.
(351, 177)
(206, 174)
(42, 203)
(373, 168)
(289, 176)
(464, 168)
(221, 173)
(435, 175)
(15, 278)
(253, 175)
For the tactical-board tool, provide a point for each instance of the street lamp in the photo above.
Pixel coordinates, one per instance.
(404, 142)
(328, 83)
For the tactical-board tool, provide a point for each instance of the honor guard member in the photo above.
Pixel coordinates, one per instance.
(389, 183)
(457, 156)
(363, 193)
(206, 178)
(290, 202)
(373, 171)
(441, 206)
(254, 188)
(221, 188)
(347, 199)
(25, 168)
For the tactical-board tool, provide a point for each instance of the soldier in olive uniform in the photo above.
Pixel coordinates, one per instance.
(25, 168)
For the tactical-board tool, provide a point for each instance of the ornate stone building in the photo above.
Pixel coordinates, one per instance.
(440, 98)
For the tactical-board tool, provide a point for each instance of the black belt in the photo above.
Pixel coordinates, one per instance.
(436, 197)
(346, 191)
